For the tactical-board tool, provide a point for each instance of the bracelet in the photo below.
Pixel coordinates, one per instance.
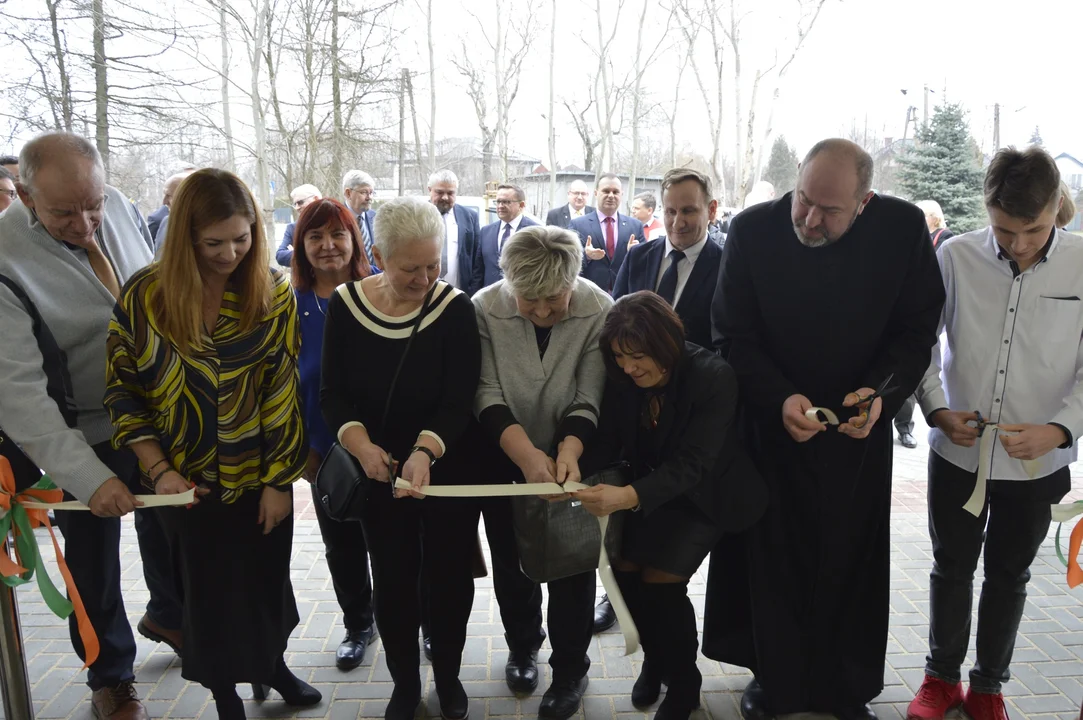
(423, 449)
(157, 464)
(156, 478)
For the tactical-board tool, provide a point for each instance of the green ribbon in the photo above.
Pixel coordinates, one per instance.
(29, 555)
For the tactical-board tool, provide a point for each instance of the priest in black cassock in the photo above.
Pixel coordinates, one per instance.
(823, 295)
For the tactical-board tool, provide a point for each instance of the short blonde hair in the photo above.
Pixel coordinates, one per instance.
(405, 219)
(1067, 207)
(932, 207)
(539, 261)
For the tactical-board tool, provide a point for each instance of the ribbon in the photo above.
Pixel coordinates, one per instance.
(1062, 514)
(605, 570)
(976, 503)
(20, 513)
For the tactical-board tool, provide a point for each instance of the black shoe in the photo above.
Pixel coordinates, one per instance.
(563, 698)
(604, 617)
(294, 691)
(454, 704)
(856, 713)
(403, 704)
(351, 653)
(673, 709)
(521, 672)
(426, 647)
(647, 687)
(754, 703)
(906, 439)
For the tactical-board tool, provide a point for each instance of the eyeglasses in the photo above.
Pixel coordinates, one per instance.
(367, 192)
(507, 202)
(10, 193)
(301, 203)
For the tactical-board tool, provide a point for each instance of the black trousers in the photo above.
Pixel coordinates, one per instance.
(92, 551)
(519, 597)
(406, 537)
(571, 625)
(904, 419)
(348, 560)
(1012, 527)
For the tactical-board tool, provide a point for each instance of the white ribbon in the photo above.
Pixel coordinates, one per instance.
(149, 501)
(813, 415)
(609, 580)
(1066, 511)
(976, 503)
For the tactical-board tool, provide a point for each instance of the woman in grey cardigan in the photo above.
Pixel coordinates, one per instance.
(542, 379)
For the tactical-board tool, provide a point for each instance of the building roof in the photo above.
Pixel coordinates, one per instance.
(1068, 157)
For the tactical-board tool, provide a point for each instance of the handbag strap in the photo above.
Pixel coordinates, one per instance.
(402, 360)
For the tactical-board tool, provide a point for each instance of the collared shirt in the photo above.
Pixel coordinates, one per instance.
(516, 221)
(684, 270)
(451, 239)
(1011, 346)
(576, 213)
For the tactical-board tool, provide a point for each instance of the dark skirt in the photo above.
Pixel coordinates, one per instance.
(676, 538)
(239, 608)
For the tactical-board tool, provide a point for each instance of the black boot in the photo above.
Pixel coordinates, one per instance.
(754, 703)
(228, 703)
(678, 647)
(648, 686)
(294, 691)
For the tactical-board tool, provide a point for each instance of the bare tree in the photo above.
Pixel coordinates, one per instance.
(552, 107)
(227, 121)
(639, 102)
(475, 78)
(587, 135)
(694, 21)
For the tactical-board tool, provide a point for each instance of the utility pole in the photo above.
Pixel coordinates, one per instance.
(925, 118)
(402, 130)
(996, 127)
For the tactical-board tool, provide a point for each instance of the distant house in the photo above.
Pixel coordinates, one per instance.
(536, 185)
(465, 157)
(1071, 171)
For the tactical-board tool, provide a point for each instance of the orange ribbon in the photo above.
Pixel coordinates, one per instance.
(10, 502)
(1075, 573)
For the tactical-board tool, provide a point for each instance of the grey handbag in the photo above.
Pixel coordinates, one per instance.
(560, 539)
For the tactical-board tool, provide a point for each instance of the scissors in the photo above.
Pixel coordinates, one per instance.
(880, 392)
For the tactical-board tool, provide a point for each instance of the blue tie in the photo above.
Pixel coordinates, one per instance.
(504, 239)
(366, 232)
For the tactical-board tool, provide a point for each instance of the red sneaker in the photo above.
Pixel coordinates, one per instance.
(983, 706)
(934, 699)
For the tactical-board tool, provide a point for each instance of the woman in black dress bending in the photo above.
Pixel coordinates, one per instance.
(668, 411)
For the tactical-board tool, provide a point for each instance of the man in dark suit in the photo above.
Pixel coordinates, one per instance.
(155, 219)
(461, 232)
(682, 267)
(301, 196)
(606, 234)
(358, 190)
(562, 216)
(510, 203)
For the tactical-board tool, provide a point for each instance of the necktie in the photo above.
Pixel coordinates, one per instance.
(610, 238)
(366, 233)
(667, 288)
(103, 269)
(443, 252)
(504, 238)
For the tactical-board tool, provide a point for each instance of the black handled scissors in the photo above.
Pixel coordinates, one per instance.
(880, 392)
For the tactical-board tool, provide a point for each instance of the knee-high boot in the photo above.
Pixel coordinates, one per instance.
(678, 646)
(648, 686)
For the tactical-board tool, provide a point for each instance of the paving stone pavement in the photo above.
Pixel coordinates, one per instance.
(1047, 669)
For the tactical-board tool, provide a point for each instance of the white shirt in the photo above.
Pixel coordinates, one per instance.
(684, 270)
(451, 238)
(504, 226)
(1011, 346)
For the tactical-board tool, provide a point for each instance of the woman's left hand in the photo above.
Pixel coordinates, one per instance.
(274, 507)
(416, 472)
(567, 465)
(602, 499)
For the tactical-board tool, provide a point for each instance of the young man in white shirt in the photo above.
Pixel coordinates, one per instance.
(1012, 325)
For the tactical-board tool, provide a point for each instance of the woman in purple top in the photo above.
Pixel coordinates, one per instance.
(327, 253)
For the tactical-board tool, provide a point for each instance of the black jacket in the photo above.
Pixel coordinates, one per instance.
(695, 439)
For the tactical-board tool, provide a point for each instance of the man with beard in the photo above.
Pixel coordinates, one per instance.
(825, 295)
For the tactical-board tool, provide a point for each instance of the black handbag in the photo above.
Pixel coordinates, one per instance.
(341, 482)
(57, 385)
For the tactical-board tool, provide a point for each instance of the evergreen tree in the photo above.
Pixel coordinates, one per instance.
(1036, 138)
(943, 166)
(782, 167)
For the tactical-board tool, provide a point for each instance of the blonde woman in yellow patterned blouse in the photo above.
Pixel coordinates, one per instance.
(207, 394)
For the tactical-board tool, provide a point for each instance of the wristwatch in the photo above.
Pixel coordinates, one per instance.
(425, 450)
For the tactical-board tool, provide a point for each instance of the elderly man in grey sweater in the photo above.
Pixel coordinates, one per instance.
(70, 245)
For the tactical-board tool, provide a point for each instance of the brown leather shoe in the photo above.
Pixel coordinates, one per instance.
(118, 703)
(153, 631)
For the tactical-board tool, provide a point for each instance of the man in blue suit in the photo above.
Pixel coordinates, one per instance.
(606, 234)
(358, 190)
(157, 218)
(510, 203)
(301, 196)
(562, 216)
(683, 265)
(461, 232)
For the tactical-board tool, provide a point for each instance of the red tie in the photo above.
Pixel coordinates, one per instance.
(610, 238)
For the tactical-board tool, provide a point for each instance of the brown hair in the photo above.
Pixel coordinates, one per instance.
(680, 175)
(204, 198)
(319, 214)
(642, 323)
(520, 194)
(1022, 183)
(1067, 207)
